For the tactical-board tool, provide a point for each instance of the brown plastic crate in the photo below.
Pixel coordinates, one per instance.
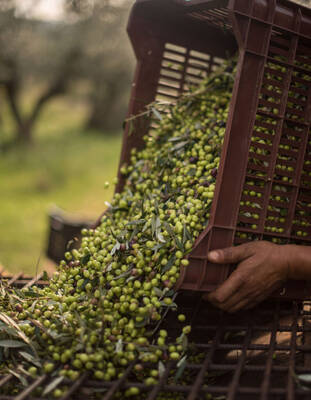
(198, 35)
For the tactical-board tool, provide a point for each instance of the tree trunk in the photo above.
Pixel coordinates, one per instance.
(102, 116)
(24, 133)
(25, 124)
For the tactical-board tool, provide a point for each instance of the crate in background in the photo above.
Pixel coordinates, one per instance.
(64, 233)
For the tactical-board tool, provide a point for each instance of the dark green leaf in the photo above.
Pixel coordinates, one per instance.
(142, 323)
(136, 222)
(31, 293)
(192, 172)
(186, 234)
(169, 229)
(153, 225)
(283, 212)
(169, 264)
(85, 259)
(45, 276)
(179, 243)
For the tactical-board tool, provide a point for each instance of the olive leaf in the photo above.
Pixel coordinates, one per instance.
(31, 293)
(130, 127)
(181, 365)
(305, 378)
(161, 369)
(53, 385)
(142, 323)
(85, 259)
(179, 146)
(119, 346)
(192, 172)
(169, 264)
(156, 113)
(136, 222)
(10, 343)
(124, 275)
(20, 377)
(28, 357)
(11, 323)
(45, 276)
(183, 340)
(173, 236)
(115, 248)
(186, 234)
(157, 291)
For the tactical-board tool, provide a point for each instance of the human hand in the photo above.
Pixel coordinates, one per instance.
(262, 268)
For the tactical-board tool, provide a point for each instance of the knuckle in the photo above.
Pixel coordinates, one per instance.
(227, 253)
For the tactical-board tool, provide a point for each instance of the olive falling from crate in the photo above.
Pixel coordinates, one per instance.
(263, 188)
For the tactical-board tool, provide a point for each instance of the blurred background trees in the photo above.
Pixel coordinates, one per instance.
(64, 88)
(88, 47)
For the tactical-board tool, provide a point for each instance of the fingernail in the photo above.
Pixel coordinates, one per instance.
(213, 255)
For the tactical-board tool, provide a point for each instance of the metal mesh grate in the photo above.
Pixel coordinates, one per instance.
(250, 355)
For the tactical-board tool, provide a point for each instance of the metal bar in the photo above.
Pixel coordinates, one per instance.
(156, 389)
(290, 389)
(34, 280)
(77, 385)
(119, 383)
(30, 388)
(272, 345)
(235, 381)
(5, 380)
(14, 279)
(199, 379)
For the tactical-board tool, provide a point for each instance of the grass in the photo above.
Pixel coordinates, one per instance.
(66, 167)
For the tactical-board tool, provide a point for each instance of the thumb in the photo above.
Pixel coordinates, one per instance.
(230, 255)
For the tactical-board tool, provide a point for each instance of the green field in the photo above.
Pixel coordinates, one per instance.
(66, 167)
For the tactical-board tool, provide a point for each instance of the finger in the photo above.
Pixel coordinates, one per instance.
(249, 301)
(227, 289)
(231, 255)
(240, 296)
(245, 302)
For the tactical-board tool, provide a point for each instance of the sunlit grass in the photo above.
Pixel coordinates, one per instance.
(67, 167)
